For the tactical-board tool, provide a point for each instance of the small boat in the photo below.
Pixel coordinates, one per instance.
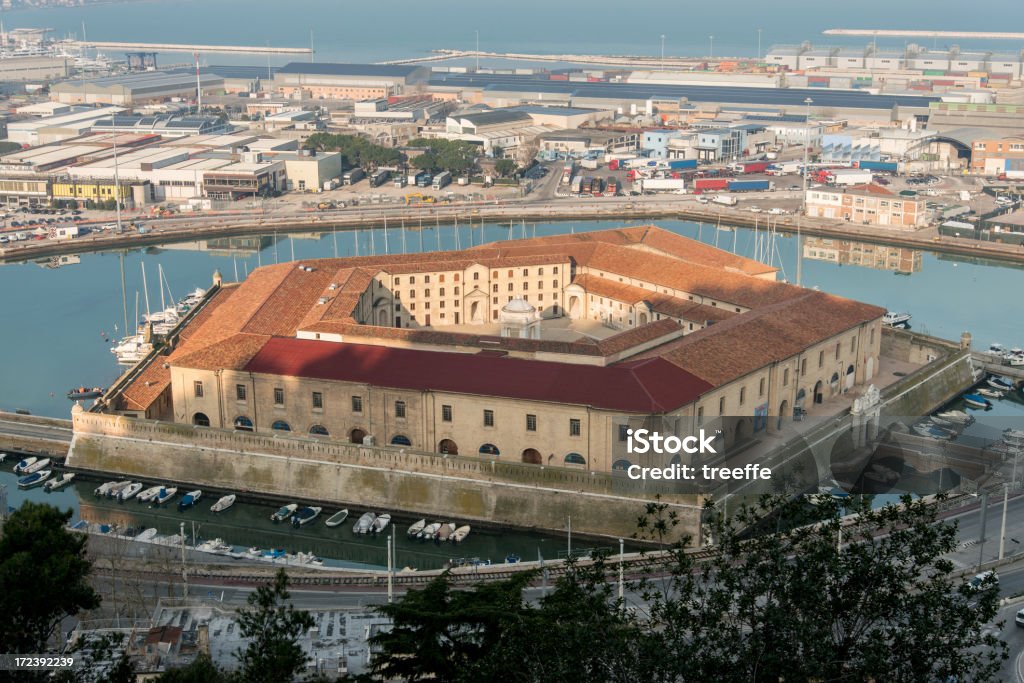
(147, 535)
(190, 499)
(381, 523)
(940, 421)
(989, 393)
(3, 457)
(444, 532)
(305, 516)
(1015, 360)
(36, 466)
(459, 535)
(363, 524)
(975, 401)
(1000, 383)
(130, 491)
(149, 494)
(60, 482)
(223, 503)
(956, 416)
(996, 349)
(930, 431)
(82, 393)
(416, 528)
(512, 559)
(24, 464)
(284, 513)
(337, 518)
(892, 318)
(34, 479)
(164, 495)
(429, 531)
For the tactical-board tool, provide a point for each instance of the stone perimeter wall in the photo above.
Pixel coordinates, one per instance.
(371, 477)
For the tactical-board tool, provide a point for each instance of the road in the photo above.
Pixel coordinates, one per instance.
(32, 430)
(971, 549)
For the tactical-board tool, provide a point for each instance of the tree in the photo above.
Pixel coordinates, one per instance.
(43, 577)
(794, 604)
(272, 626)
(505, 167)
(355, 150)
(456, 156)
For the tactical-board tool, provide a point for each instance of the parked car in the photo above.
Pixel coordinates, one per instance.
(1019, 619)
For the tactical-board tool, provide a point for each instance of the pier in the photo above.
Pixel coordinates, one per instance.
(896, 33)
(634, 61)
(181, 47)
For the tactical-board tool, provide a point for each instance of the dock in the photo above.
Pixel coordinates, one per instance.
(181, 47)
(633, 61)
(896, 33)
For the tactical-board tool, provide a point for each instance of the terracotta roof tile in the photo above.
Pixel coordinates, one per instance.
(659, 301)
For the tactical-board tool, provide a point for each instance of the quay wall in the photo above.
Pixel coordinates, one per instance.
(948, 372)
(364, 476)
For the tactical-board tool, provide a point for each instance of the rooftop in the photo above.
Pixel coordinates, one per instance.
(338, 69)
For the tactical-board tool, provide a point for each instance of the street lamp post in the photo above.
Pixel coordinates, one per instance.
(711, 51)
(759, 45)
(662, 51)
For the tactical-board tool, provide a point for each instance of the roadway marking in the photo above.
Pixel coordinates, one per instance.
(1018, 667)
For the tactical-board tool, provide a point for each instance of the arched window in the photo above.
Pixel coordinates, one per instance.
(400, 440)
(281, 426)
(319, 430)
(622, 464)
(575, 459)
(243, 423)
(448, 447)
(489, 449)
(201, 420)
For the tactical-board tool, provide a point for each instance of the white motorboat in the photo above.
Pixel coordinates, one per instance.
(459, 535)
(380, 523)
(957, 416)
(165, 495)
(1013, 436)
(305, 515)
(941, 422)
(416, 528)
(364, 523)
(976, 401)
(445, 531)
(429, 531)
(3, 457)
(147, 535)
(130, 491)
(284, 512)
(893, 318)
(149, 494)
(989, 393)
(223, 503)
(996, 349)
(60, 482)
(36, 466)
(337, 518)
(34, 479)
(24, 464)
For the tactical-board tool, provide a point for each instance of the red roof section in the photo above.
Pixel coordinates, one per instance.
(645, 386)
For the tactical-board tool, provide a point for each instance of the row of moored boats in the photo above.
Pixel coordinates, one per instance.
(34, 471)
(1014, 356)
(372, 523)
(160, 494)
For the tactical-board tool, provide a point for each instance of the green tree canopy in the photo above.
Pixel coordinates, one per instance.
(455, 156)
(272, 626)
(355, 150)
(505, 167)
(43, 577)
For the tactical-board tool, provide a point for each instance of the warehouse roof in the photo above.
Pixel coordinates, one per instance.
(336, 69)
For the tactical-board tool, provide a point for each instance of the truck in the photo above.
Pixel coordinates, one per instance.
(783, 168)
(750, 185)
(848, 176)
(680, 164)
(426, 180)
(661, 184)
(442, 180)
(596, 185)
(724, 199)
(568, 171)
(400, 181)
(613, 164)
(750, 167)
(414, 177)
(611, 186)
(710, 184)
(576, 184)
(880, 166)
(589, 164)
(379, 177)
(353, 176)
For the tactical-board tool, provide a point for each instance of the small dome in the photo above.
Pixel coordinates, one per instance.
(519, 306)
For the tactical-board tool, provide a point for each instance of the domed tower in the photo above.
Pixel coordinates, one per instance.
(218, 279)
(519, 320)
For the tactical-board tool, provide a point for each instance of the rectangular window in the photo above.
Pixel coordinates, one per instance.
(400, 409)
(318, 400)
(511, 286)
(700, 416)
(488, 418)
(821, 359)
(785, 377)
(760, 389)
(623, 432)
(278, 396)
(531, 423)
(555, 270)
(721, 406)
(526, 286)
(357, 404)
(240, 392)
(441, 292)
(494, 288)
(426, 293)
(837, 350)
(803, 367)
(446, 413)
(554, 283)
(526, 272)
(743, 395)
(476, 276)
(426, 279)
(198, 388)
(574, 427)
(853, 343)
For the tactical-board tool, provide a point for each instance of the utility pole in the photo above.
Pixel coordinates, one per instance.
(662, 51)
(1002, 527)
(984, 519)
(391, 562)
(622, 590)
(117, 178)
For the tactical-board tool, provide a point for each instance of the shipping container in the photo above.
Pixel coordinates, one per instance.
(750, 186)
(379, 178)
(884, 166)
(611, 186)
(613, 164)
(442, 180)
(661, 184)
(680, 164)
(353, 176)
(706, 184)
